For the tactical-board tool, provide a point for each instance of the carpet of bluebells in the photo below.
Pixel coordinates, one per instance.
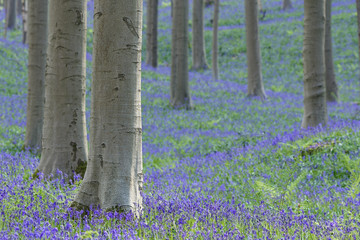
(233, 168)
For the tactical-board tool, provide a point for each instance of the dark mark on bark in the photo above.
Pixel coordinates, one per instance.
(103, 145)
(79, 17)
(101, 161)
(74, 118)
(98, 15)
(74, 149)
(130, 26)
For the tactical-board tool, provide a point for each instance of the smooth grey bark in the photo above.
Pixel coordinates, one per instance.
(255, 83)
(286, 5)
(198, 39)
(64, 145)
(38, 10)
(315, 109)
(259, 5)
(113, 178)
(25, 21)
(10, 14)
(151, 33)
(179, 84)
(331, 85)
(19, 7)
(215, 48)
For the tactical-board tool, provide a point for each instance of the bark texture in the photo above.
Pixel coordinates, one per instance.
(215, 48)
(151, 33)
(315, 110)
(38, 10)
(19, 7)
(331, 85)
(255, 83)
(113, 178)
(180, 93)
(10, 20)
(198, 39)
(25, 20)
(64, 145)
(286, 5)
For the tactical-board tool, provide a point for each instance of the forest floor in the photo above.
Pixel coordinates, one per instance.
(232, 168)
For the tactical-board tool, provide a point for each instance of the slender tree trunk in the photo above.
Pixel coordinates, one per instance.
(25, 21)
(255, 83)
(286, 5)
(18, 7)
(358, 22)
(180, 93)
(11, 14)
(113, 178)
(151, 33)
(64, 145)
(331, 85)
(198, 40)
(259, 5)
(215, 48)
(36, 72)
(315, 111)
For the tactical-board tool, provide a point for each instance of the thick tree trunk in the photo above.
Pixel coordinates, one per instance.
(255, 83)
(180, 93)
(151, 33)
(64, 145)
(315, 111)
(331, 85)
(198, 40)
(36, 72)
(286, 5)
(10, 14)
(113, 179)
(215, 48)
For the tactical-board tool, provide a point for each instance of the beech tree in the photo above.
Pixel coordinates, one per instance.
(331, 85)
(315, 110)
(64, 145)
(179, 83)
(10, 19)
(37, 23)
(255, 83)
(215, 48)
(113, 178)
(286, 4)
(151, 33)
(25, 21)
(198, 40)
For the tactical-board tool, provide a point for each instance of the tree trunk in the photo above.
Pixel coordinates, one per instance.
(151, 33)
(113, 179)
(331, 85)
(259, 5)
(64, 145)
(198, 40)
(358, 22)
(25, 21)
(18, 7)
(286, 5)
(36, 72)
(180, 93)
(255, 83)
(11, 14)
(315, 111)
(215, 49)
